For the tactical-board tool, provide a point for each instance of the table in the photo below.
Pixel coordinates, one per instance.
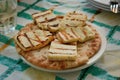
(107, 68)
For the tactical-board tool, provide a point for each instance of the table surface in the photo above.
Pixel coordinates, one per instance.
(106, 68)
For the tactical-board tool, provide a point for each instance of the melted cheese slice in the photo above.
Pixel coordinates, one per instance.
(88, 32)
(41, 13)
(59, 51)
(47, 20)
(42, 35)
(24, 41)
(73, 34)
(34, 39)
(73, 19)
(46, 17)
(79, 34)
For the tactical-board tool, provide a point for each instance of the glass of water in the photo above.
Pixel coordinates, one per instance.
(8, 13)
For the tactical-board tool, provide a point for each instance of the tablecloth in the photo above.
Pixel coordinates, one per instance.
(106, 68)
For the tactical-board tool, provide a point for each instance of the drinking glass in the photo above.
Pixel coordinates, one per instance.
(8, 13)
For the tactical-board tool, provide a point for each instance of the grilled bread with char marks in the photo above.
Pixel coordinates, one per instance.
(33, 39)
(73, 19)
(73, 34)
(47, 20)
(59, 51)
(89, 32)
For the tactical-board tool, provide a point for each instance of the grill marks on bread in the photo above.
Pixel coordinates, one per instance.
(23, 41)
(59, 51)
(33, 39)
(47, 20)
(73, 19)
(73, 34)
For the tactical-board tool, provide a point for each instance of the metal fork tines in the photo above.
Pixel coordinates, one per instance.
(114, 6)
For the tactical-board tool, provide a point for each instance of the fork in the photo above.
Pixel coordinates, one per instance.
(114, 6)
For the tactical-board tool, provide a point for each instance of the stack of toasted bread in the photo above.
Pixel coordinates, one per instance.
(62, 34)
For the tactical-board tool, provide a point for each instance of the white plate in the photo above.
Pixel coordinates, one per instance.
(100, 4)
(97, 5)
(104, 2)
(89, 63)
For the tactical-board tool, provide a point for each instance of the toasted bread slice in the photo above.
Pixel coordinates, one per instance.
(73, 19)
(59, 51)
(47, 20)
(33, 39)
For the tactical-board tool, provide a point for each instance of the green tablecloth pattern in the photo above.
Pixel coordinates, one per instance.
(107, 68)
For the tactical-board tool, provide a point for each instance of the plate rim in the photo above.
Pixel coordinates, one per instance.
(100, 5)
(91, 61)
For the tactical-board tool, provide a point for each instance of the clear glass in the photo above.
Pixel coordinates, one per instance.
(8, 13)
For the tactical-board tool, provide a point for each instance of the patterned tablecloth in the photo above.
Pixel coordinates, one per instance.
(107, 68)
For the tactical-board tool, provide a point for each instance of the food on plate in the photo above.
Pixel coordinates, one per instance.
(47, 20)
(39, 58)
(73, 34)
(88, 32)
(57, 43)
(91, 46)
(59, 51)
(73, 19)
(33, 39)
